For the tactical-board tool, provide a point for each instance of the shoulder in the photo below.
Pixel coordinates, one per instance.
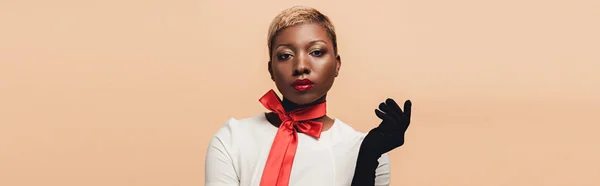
(245, 128)
(346, 131)
(234, 123)
(350, 132)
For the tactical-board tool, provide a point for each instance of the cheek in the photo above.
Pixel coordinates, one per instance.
(277, 69)
(328, 69)
(279, 73)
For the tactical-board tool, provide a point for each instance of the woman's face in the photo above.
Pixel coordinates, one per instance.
(303, 63)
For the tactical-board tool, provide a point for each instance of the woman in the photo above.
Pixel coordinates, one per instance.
(297, 143)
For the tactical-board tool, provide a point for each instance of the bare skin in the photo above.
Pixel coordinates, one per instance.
(303, 52)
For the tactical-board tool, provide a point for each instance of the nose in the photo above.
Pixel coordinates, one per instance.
(302, 65)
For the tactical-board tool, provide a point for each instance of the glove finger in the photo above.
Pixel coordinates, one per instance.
(407, 110)
(383, 107)
(393, 105)
(392, 120)
(387, 121)
(394, 110)
(384, 117)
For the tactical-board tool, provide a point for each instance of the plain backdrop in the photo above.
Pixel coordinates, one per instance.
(129, 92)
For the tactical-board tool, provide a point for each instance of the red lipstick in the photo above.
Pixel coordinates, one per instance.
(302, 85)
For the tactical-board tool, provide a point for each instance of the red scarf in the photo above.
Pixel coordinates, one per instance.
(281, 157)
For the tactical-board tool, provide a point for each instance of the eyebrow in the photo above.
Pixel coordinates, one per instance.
(310, 43)
(317, 41)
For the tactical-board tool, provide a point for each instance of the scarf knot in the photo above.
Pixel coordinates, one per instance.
(281, 156)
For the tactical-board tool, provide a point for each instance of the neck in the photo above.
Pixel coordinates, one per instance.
(290, 106)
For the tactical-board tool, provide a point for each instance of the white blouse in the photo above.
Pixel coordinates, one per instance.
(237, 154)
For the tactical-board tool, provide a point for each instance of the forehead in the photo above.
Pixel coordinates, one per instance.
(302, 34)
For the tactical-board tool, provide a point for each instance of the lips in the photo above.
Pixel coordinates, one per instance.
(302, 85)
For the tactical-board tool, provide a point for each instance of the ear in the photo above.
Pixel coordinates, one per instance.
(338, 64)
(270, 66)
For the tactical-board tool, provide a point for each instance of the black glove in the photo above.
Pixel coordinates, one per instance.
(387, 136)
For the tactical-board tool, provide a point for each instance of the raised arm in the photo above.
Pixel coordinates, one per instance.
(372, 160)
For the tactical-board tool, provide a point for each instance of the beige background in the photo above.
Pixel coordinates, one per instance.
(128, 93)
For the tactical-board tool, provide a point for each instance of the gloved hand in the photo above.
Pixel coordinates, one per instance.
(387, 136)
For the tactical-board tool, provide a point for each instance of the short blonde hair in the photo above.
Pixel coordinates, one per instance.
(300, 15)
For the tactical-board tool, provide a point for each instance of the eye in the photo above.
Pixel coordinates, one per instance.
(284, 56)
(317, 53)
